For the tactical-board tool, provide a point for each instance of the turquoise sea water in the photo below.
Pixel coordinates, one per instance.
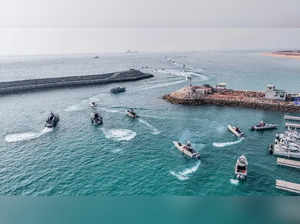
(137, 157)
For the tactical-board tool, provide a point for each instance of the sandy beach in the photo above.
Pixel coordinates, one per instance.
(284, 54)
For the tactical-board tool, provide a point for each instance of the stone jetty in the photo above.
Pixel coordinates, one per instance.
(71, 81)
(201, 95)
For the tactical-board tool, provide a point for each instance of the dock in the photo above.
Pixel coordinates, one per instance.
(292, 125)
(291, 118)
(288, 186)
(30, 85)
(288, 162)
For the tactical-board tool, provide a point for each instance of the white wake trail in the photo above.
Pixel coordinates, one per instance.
(26, 136)
(155, 131)
(119, 134)
(185, 174)
(225, 144)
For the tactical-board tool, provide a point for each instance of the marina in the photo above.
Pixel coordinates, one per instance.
(99, 147)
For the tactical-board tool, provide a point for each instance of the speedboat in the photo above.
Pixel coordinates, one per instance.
(131, 113)
(52, 120)
(96, 119)
(241, 168)
(236, 131)
(187, 150)
(263, 126)
(93, 105)
(118, 90)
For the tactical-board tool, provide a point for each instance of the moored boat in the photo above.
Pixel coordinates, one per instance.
(241, 168)
(118, 90)
(235, 130)
(187, 150)
(96, 119)
(52, 120)
(263, 126)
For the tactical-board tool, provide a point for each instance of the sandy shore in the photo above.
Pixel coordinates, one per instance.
(284, 54)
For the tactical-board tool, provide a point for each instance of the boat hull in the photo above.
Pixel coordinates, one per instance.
(233, 131)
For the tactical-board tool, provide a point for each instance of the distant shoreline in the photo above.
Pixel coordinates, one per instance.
(285, 54)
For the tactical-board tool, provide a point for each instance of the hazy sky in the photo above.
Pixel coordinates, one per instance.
(91, 26)
(155, 13)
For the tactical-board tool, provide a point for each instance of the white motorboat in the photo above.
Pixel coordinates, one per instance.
(263, 126)
(235, 130)
(241, 168)
(187, 150)
(52, 120)
(93, 105)
(131, 113)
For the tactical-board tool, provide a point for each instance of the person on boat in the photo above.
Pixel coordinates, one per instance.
(238, 130)
(96, 116)
(261, 124)
(51, 117)
(189, 147)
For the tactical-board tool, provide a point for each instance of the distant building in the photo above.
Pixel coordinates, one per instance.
(221, 86)
(198, 91)
(275, 94)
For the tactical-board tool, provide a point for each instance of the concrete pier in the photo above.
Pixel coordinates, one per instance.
(236, 98)
(71, 81)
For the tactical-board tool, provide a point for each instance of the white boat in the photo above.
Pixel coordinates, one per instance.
(236, 131)
(131, 113)
(187, 150)
(93, 105)
(241, 168)
(262, 127)
(52, 120)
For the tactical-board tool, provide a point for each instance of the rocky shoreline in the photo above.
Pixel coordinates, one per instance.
(13, 87)
(233, 98)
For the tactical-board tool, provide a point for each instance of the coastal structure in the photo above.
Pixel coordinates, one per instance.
(71, 81)
(275, 94)
(271, 99)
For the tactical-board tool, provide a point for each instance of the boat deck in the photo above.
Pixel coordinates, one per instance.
(288, 186)
(288, 162)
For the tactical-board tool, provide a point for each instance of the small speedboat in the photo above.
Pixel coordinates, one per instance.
(96, 119)
(131, 113)
(236, 131)
(52, 120)
(93, 105)
(241, 168)
(118, 90)
(263, 126)
(187, 150)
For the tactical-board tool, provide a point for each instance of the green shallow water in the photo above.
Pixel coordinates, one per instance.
(137, 157)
